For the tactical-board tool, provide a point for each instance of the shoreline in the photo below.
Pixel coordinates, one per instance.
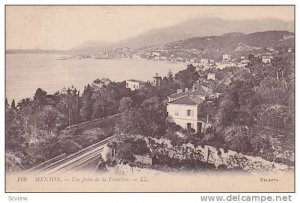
(77, 72)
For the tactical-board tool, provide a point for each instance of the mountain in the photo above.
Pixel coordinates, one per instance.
(198, 27)
(93, 46)
(233, 41)
(235, 44)
(204, 27)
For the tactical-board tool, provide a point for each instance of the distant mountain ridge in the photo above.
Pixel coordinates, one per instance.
(91, 45)
(198, 27)
(235, 44)
(233, 40)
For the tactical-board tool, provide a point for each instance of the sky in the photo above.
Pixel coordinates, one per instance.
(65, 27)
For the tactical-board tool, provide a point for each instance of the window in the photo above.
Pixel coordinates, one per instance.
(127, 84)
(188, 126)
(176, 113)
(189, 113)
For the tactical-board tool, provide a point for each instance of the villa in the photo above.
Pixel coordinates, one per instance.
(134, 84)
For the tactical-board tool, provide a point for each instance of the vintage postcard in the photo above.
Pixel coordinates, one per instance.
(150, 98)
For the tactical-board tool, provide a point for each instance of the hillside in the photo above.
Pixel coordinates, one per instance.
(232, 40)
(236, 44)
(197, 27)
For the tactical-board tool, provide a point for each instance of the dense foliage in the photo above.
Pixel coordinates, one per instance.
(35, 128)
(254, 115)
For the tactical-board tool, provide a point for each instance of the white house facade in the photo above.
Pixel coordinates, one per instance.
(211, 76)
(226, 57)
(266, 59)
(184, 112)
(134, 84)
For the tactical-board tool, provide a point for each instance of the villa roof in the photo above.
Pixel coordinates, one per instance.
(203, 91)
(138, 81)
(200, 92)
(177, 95)
(188, 100)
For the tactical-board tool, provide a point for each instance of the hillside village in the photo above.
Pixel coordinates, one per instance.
(200, 49)
(231, 111)
(185, 111)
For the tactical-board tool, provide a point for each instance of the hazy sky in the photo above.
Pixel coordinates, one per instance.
(63, 27)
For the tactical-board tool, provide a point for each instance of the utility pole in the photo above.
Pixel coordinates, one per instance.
(69, 117)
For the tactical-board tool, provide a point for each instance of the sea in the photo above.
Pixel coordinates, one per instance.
(52, 72)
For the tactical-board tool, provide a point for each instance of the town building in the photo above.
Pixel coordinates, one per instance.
(157, 80)
(245, 61)
(184, 112)
(164, 58)
(135, 56)
(226, 57)
(134, 84)
(155, 54)
(204, 61)
(211, 76)
(266, 59)
(225, 64)
(180, 93)
(183, 107)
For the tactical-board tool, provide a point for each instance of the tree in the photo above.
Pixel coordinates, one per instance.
(50, 119)
(279, 64)
(273, 91)
(188, 76)
(13, 104)
(261, 144)
(13, 131)
(100, 83)
(131, 122)
(170, 75)
(6, 104)
(207, 110)
(87, 104)
(106, 99)
(236, 105)
(125, 104)
(25, 104)
(39, 96)
(124, 148)
(238, 138)
(99, 104)
(139, 147)
(69, 105)
(26, 110)
(155, 114)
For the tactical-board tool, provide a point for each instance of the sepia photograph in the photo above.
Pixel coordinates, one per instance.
(149, 98)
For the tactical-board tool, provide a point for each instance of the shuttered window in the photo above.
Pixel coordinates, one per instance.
(190, 113)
